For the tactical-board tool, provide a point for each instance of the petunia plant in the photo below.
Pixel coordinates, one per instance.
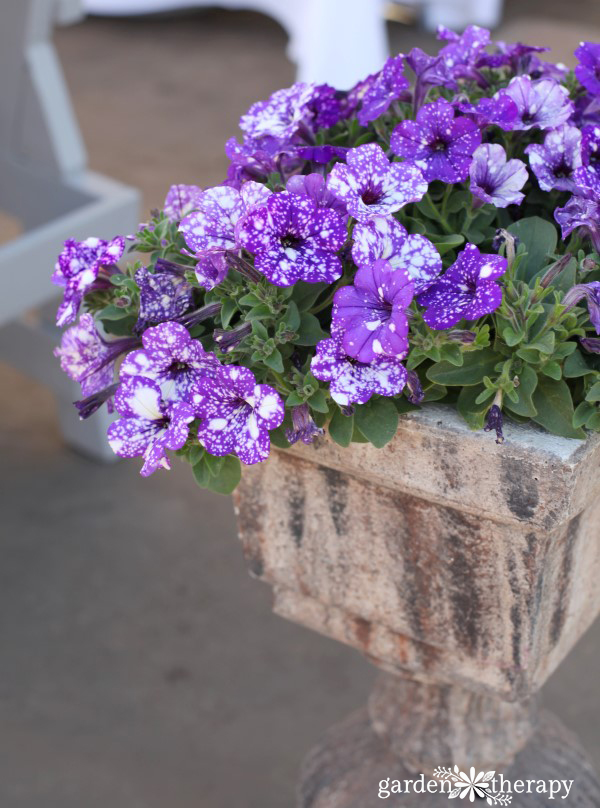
(432, 234)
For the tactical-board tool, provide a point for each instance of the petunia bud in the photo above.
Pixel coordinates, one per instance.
(494, 422)
(413, 383)
(591, 344)
(555, 270)
(229, 340)
(303, 426)
(88, 406)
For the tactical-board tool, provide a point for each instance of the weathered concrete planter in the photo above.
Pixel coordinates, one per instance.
(465, 569)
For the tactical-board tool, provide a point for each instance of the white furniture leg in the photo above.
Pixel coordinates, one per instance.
(45, 184)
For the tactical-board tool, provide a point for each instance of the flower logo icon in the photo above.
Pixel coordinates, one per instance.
(471, 786)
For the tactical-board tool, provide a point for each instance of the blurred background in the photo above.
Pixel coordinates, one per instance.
(139, 665)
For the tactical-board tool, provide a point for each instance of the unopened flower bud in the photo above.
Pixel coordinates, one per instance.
(415, 391)
(555, 270)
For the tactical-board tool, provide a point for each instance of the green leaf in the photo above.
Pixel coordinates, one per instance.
(274, 361)
(229, 476)
(341, 428)
(434, 392)
(305, 294)
(228, 309)
(511, 337)
(112, 312)
(576, 366)
(292, 316)
(552, 369)
(453, 353)
(318, 401)
(472, 411)
(524, 406)
(259, 312)
(377, 421)
(477, 364)
(309, 331)
(544, 345)
(201, 473)
(540, 238)
(444, 244)
(593, 394)
(554, 405)
(583, 412)
(593, 423)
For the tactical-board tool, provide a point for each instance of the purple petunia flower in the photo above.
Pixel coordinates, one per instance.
(591, 344)
(209, 231)
(163, 296)
(172, 359)
(371, 314)
(500, 111)
(430, 71)
(384, 237)
(303, 426)
(86, 357)
(590, 148)
(519, 57)
(439, 144)
(462, 53)
(325, 106)
(148, 425)
(315, 188)
(321, 154)
(81, 267)
(591, 293)
(389, 85)
(554, 162)
(588, 69)
(494, 179)
(281, 115)
(237, 414)
(583, 213)
(351, 381)
(370, 185)
(466, 291)
(181, 200)
(293, 239)
(543, 103)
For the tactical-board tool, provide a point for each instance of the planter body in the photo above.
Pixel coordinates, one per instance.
(468, 567)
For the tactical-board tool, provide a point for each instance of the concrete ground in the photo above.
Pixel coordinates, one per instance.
(139, 666)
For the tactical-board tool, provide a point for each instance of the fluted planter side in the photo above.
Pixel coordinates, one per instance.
(443, 556)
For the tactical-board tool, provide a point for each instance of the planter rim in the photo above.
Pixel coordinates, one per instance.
(533, 476)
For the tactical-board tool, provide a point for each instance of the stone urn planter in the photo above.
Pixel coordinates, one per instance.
(464, 570)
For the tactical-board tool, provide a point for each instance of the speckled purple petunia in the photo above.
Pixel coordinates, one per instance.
(496, 180)
(384, 237)
(371, 314)
(172, 359)
(86, 357)
(181, 200)
(389, 85)
(78, 270)
(351, 381)
(588, 69)
(237, 414)
(542, 104)
(466, 291)
(370, 185)
(148, 426)
(439, 144)
(554, 161)
(293, 239)
(163, 296)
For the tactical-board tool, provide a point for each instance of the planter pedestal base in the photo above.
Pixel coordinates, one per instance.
(345, 769)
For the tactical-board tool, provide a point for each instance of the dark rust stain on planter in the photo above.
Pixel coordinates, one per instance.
(337, 490)
(562, 596)
(296, 507)
(463, 565)
(515, 609)
(520, 488)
